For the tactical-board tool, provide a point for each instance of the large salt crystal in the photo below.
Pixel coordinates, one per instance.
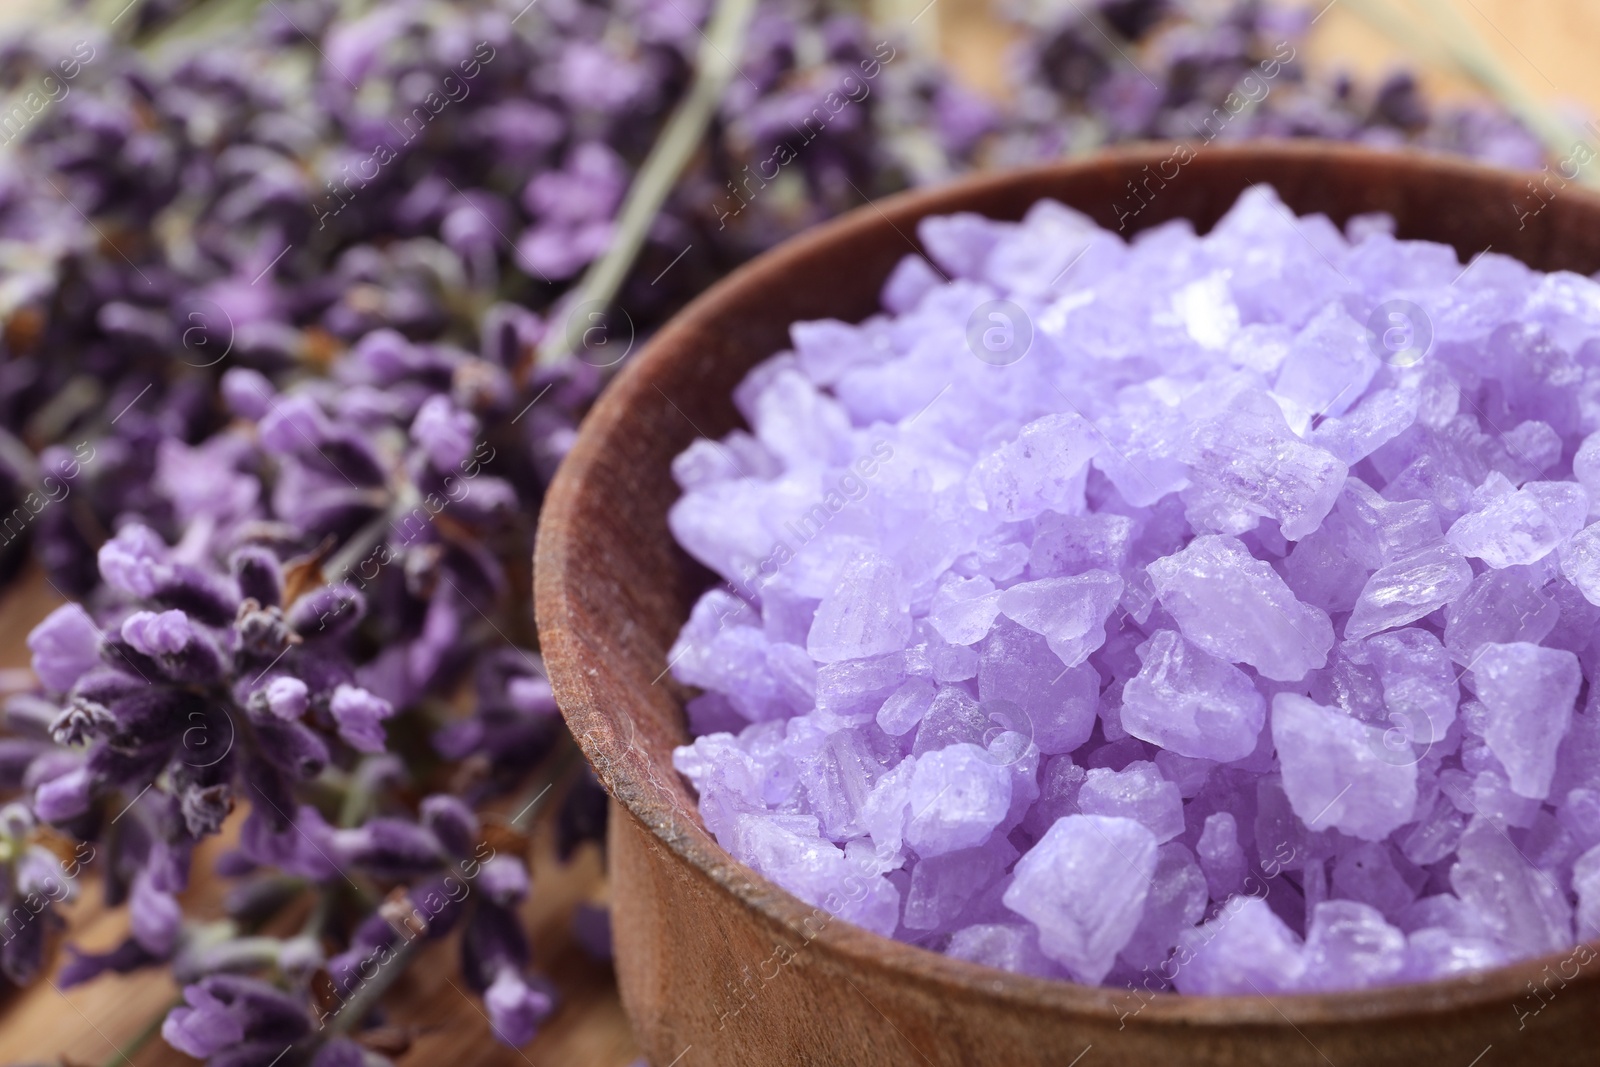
(1521, 906)
(1580, 561)
(963, 609)
(1501, 607)
(1381, 530)
(941, 886)
(1338, 772)
(816, 871)
(863, 614)
(1084, 886)
(1586, 883)
(1190, 702)
(1039, 471)
(1237, 608)
(1247, 461)
(1177, 901)
(1329, 366)
(1244, 949)
(1350, 945)
(958, 795)
(1057, 706)
(1529, 692)
(1137, 792)
(1070, 613)
(1072, 544)
(1221, 857)
(1508, 527)
(1008, 946)
(1419, 682)
(1408, 589)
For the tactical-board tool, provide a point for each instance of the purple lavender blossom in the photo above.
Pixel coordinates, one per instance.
(64, 646)
(360, 715)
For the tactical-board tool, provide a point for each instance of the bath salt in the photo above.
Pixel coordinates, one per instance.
(1210, 613)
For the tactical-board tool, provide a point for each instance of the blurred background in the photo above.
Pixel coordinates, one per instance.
(974, 83)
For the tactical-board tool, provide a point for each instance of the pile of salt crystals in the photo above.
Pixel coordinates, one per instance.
(1231, 639)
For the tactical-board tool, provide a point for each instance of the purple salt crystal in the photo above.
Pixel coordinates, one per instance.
(957, 796)
(863, 614)
(845, 693)
(941, 886)
(1084, 886)
(1245, 463)
(1072, 544)
(1350, 946)
(1380, 418)
(1433, 952)
(1521, 906)
(1528, 692)
(1586, 884)
(1039, 471)
(906, 706)
(1382, 531)
(64, 646)
(1408, 589)
(1329, 365)
(1508, 527)
(1136, 792)
(1011, 947)
(1338, 773)
(964, 609)
(1221, 857)
(1243, 949)
(836, 772)
(1070, 613)
(912, 279)
(815, 870)
(1580, 559)
(953, 718)
(1176, 902)
(1367, 872)
(960, 243)
(1190, 702)
(1235, 607)
(1017, 667)
(1419, 682)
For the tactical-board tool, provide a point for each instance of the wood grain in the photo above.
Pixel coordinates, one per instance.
(714, 957)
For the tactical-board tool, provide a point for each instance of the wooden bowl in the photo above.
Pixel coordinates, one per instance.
(719, 966)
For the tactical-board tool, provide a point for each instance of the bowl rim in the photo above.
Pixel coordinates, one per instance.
(620, 763)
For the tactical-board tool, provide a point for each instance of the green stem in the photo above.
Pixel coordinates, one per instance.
(714, 68)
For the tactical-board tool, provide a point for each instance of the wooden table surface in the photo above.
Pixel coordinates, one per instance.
(1549, 45)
